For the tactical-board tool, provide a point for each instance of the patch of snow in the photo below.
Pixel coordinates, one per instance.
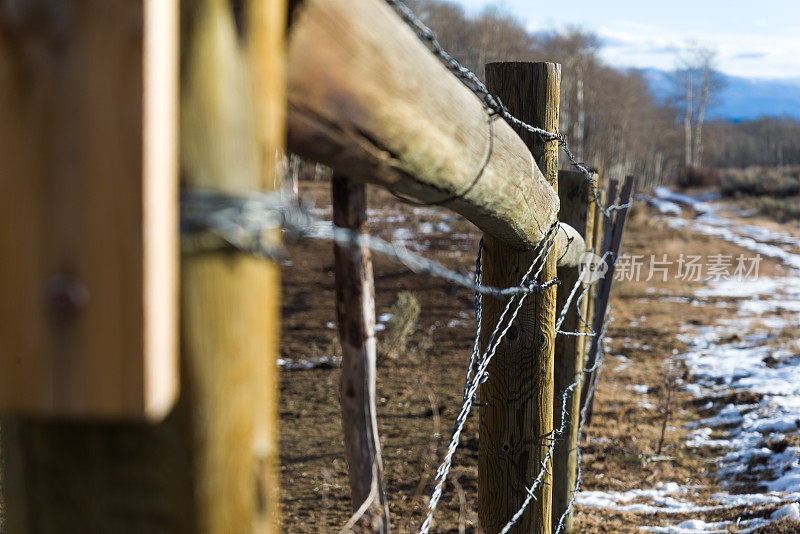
(790, 480)
(303, 364)
(625, 362)
(663, 206)
(402, 234)
(426, 228)
(664, 193)
(789, 511)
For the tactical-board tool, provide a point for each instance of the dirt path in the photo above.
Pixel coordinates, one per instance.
(656, 344)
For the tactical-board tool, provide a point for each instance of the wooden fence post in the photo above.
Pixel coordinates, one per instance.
(210, 466)
(606, 224)
(611, 243)
(517, 421)
(577, 210)
(355, 310)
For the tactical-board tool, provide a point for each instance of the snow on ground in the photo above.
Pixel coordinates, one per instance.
(715, 225)
(735, 357)
(672, 498)
(699, 204)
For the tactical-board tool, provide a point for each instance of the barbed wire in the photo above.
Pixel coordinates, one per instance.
(473, 359)
(489, 101)
(478, 376)
(246, 223)
(589, 328)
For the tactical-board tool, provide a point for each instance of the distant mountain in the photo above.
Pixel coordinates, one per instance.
(741, 98)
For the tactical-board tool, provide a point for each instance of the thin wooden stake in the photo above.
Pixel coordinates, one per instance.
(577, 210)
(355, 309)
(606, 225)
(597, 241)
(613, 239)
(517, 420)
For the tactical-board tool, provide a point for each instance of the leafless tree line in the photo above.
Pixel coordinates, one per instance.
(610, 116)
(766, 142)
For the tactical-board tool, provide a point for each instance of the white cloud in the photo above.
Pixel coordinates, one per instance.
(752, 56)
(633, 44)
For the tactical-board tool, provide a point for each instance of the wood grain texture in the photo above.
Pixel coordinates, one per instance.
(611, 243)
(577, 209)
(518, 418)
(210, 466)
(367, 98)
(355, 310)
(570, 246)
(88, 182)
(231, 97)
(266, 55)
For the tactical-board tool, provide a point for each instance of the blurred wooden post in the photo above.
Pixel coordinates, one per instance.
(606, 223)
(597, 241)
(232, 132)
(210, 466)
(517, 422)
(88, 208)
(611, 244)
(577, 210)
(355, 310)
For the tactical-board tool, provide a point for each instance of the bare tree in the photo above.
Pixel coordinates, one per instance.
(698, 83)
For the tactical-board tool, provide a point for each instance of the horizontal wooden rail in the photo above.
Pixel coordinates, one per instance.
(369, 99)
(570, 246)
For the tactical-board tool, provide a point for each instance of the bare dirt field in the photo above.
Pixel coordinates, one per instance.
(419, 390)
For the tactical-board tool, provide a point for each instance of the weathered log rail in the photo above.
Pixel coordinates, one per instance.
(368, 99)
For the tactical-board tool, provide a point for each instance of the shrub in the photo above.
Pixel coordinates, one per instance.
(698, 177)
(777, 182)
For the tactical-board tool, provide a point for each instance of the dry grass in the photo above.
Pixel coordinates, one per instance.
(405, 312)
(776, 182)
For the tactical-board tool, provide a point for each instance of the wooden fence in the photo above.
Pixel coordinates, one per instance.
(123, 415)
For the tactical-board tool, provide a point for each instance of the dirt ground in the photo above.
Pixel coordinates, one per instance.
(419, 391)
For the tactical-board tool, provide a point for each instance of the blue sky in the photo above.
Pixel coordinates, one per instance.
(753, 39)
